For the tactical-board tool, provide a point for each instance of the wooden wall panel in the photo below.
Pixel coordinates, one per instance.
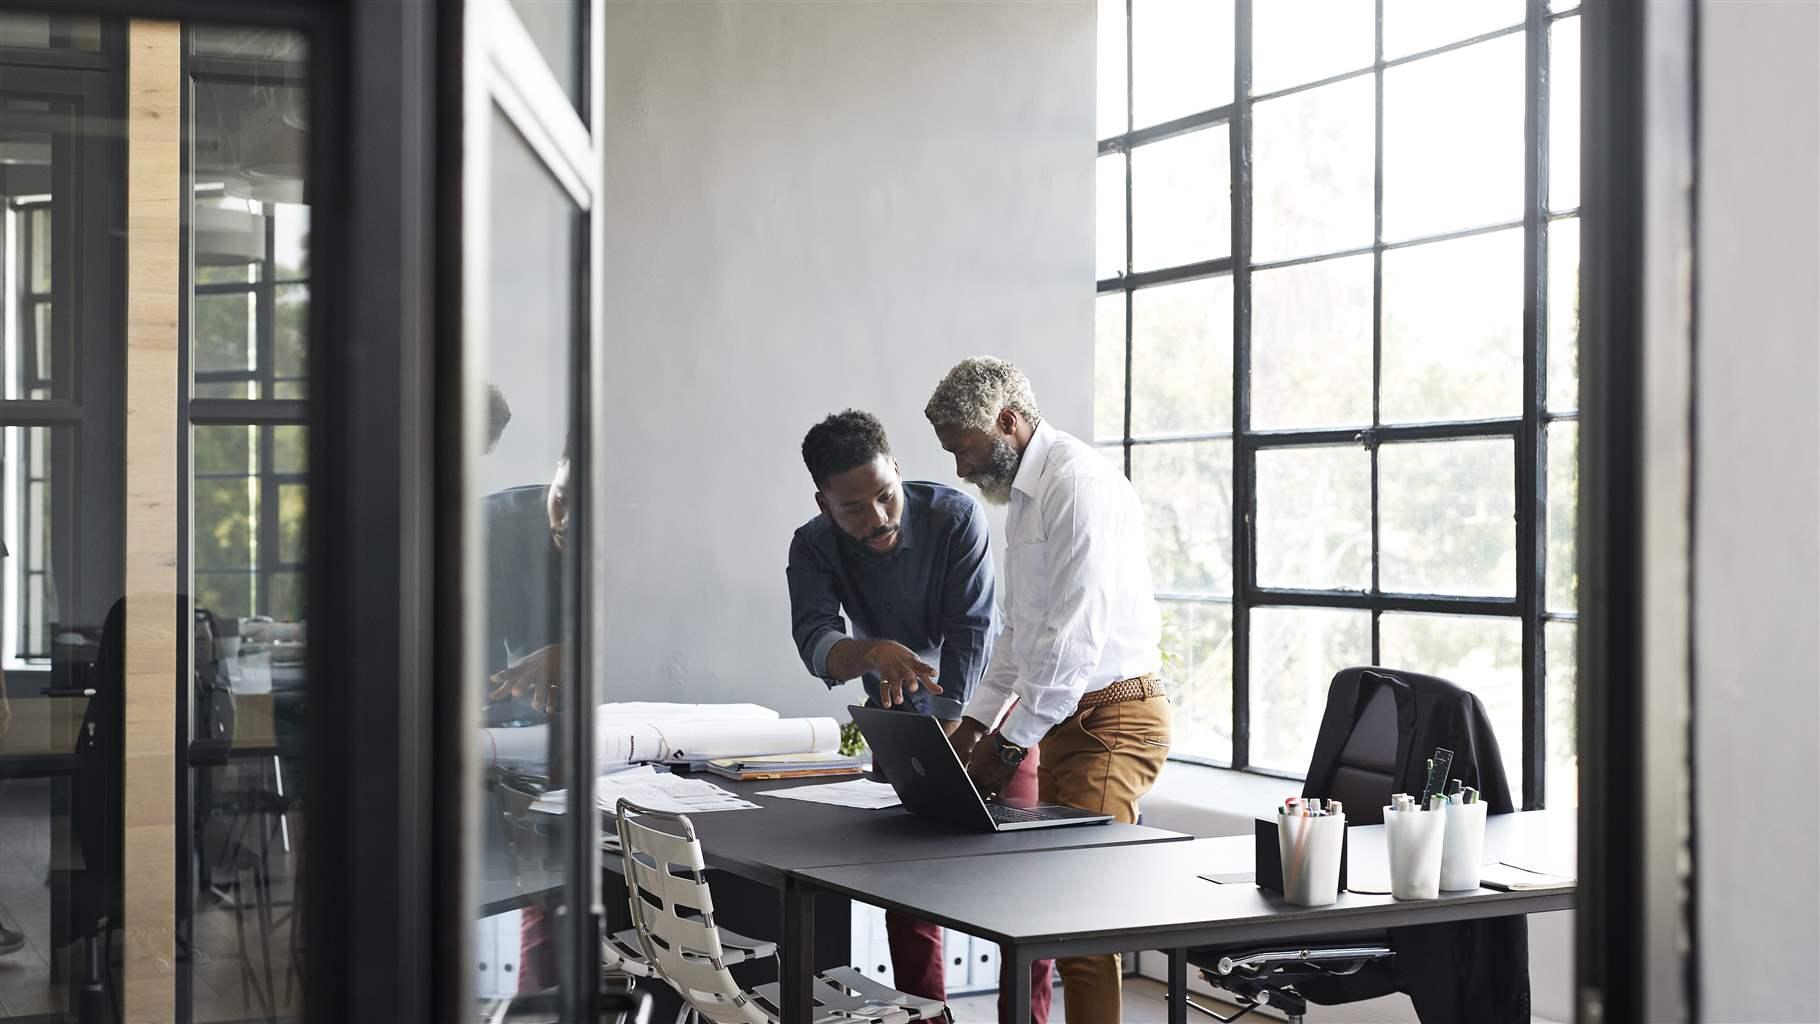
(153, 250)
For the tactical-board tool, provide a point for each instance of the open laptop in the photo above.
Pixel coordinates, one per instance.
(931, 781)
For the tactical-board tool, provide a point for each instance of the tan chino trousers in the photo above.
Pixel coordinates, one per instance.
(1103, 760)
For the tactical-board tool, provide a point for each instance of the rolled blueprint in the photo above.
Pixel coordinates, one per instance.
(625, 740)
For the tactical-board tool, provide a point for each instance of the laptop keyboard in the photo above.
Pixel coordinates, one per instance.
(1010, 815)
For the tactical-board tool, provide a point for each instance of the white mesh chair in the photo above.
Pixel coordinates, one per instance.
(673, 916)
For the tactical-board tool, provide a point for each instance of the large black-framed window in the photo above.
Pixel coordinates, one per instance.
(1335, 353)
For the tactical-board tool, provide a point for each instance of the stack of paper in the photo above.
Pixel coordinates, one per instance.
(647, 787)
(640, 732)
(861, 793)
(786, 766)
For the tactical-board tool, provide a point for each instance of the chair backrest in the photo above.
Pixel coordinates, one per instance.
(673, 913)
(1367, 767)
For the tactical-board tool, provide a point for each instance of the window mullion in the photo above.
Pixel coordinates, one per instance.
(1532, 453)
(1244, 489)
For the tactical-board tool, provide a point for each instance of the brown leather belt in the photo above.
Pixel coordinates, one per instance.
(1139, 688)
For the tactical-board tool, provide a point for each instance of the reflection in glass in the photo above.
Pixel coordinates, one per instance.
(38, 318)
(1186, 489)
(250, 240)
(1453, 329)
(531, 323)
(1197, 663)
(1181, 358)
(33, 31)
(1314, 518)
(1312, 171)
(38, 498)
(1563, 508)
(1481, 654)
(1453, 139)
(1109, 367)
(1294, 42)
(1181, 58)
(1181, 210)
(1311, 345)
(250, 511)
(1564, 315)
(1447, 518)
(1411, 26)
(1111, 70)
(1109, 207)
(1564, 114)
(1560, 736)
(1294, 654)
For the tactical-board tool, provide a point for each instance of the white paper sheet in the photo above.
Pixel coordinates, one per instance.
(647, 787)
(861, 793)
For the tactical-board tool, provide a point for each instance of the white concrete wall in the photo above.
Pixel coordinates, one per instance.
(1757, 512)
(813, 206)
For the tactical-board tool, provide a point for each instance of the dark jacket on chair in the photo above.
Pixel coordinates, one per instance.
(1473, 971)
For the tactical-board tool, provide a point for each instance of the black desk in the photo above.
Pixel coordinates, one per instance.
(1152, 897)
(777, 843)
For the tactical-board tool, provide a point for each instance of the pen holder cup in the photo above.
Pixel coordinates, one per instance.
(1463, 850)
(1414, 840)
(1310, 851)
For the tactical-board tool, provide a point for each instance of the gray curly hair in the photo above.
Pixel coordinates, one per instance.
(976, 391)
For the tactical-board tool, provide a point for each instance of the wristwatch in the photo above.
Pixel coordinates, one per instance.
(1008, 752)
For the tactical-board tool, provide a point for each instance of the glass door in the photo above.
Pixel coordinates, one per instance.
(531, 176)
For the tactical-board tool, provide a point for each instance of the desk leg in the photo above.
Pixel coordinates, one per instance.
(1178, 986)
(796, 956)
(1020, 983)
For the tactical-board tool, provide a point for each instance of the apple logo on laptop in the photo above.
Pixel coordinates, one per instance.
(917, 766)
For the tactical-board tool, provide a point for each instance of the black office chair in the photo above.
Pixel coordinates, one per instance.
(1378, 730)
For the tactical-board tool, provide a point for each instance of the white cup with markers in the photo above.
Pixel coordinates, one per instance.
(1463, 849)
(1311, 838)
(1413, 837)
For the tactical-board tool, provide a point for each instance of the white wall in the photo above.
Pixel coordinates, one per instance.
(813, 206)
(1757, 492)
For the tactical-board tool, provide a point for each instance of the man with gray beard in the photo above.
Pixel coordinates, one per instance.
(1077, 657)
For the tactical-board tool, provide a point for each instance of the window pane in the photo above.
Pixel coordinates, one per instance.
(1197, 662)
(1109, 367)
(1560, 738)
(229, 451)
(247, 43)
(1314, 518)
(1311, 345)
(1482, 654)
(1447, 518)
(226, 595)
(1182, 358)
(1312, 171)
(293, 507)
(227, 522)
(38, 482)
(1564, 315)
(224, 333)
(1411, 26)
(1181, 58)
(1453, 329)
(1186, 489)
(1109, 205)
(1453, 139)
(1181, 203)
(1563, 507)
(1111, 77)
(555, 26)
(40, 300)
(1564, 114)
(1297, 41)
(290, 449)
(291, 329)
(1294, 655)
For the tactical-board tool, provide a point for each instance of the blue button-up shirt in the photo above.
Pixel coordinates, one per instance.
(933, 593)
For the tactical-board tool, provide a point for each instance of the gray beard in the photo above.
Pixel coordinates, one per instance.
(995, 480)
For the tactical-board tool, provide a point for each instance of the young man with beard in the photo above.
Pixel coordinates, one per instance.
(1079, 647)
(909, 564)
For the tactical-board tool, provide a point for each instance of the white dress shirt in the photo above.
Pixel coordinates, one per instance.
(1078, 610)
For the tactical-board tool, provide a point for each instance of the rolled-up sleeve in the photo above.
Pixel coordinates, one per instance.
(967, 616)
(815, 619)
